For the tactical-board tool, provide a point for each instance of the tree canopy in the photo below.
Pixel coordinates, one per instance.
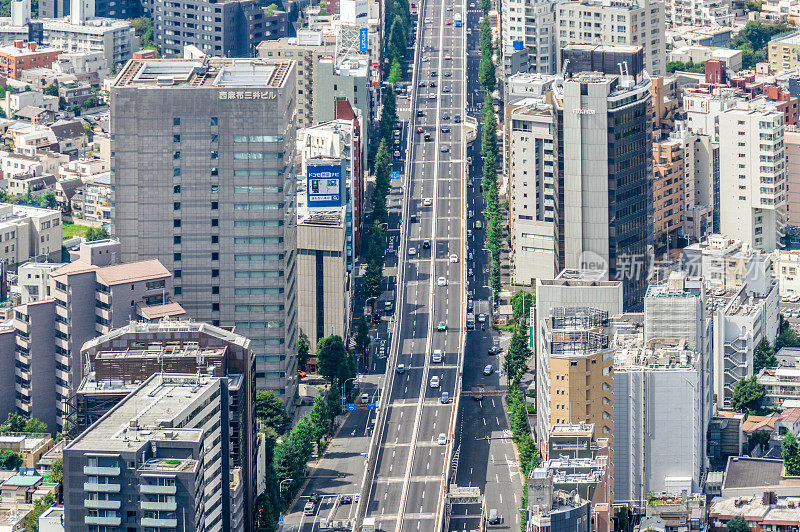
(271, 412)
(737, 524)
(747, 395)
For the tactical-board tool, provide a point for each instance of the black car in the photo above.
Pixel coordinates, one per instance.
(420, 113)
(433, 73)
(495, 350)
(345, 499)
(457, 119)
(426, 244)
(445, 129)
(447, 73)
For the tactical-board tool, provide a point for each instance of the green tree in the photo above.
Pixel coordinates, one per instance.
(790, 452)
(758, 438)
(521, 303)
(57, 470)
(395, 72)
(373, 278)
(47, 200)
(332, 359)
(486, 73)
(271, 412)
(786, 335)
(14, 423)
(486, 6)
(764, 356)
(96, 233)
(32, 519)
(747, 395)
(52, 89)
(302, 351)
(689, 66)
(517, 355)
(737, 524)
(362, 335)
(9, 460)
(34, 425)
(143, 28)
(753, 39)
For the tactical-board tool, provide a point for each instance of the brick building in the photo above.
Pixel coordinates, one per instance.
(19, 56)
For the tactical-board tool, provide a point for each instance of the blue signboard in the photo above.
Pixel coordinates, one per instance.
(363, 39)
(324, 185)
(394, 174)
(351, 407)
(372, 406)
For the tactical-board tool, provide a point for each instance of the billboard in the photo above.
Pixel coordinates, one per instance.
(363, 40)
(324, 185)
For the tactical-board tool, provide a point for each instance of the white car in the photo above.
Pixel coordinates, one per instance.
(427, 20)
(481, 318)
(442, 440)
(428, 202)
(434, 382)
(453, 258)
(441, 281)
(436, 356)
(412, 251)
(425, 59)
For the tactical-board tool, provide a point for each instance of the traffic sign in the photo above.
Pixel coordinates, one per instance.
(394, 174)
(350, 407)
(372, 406)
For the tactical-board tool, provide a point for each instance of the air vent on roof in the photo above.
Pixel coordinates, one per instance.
(165, 80)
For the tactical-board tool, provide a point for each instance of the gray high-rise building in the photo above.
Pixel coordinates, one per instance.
(204, 180)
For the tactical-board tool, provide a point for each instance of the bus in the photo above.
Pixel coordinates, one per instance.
(457, 20)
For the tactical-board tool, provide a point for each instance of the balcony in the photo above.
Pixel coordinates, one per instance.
(106, 505)
(109, 521)
(157, 490)
(103, 488)
(164, 506)
(105, 471)
(163, 523)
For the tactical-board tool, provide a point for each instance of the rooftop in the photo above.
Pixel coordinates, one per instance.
(786, 512)
(212, 72)
(132, 272)
(169, 325)
(745, 472)
(22, 51)
(147, 414)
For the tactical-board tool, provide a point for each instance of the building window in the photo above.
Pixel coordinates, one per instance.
(176, 257)
(176, 121)
(176, 189)
(214, 121)
(176, 223)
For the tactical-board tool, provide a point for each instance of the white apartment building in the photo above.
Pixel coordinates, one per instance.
(529, 44)
(33, 280)
(29, 233)
(534, 217)
(780, 384)
(699, 12)
(626, 22)
(752, 175)
(786, 269)
(703, 110)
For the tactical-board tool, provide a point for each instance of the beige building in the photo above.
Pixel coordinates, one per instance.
(29, 233)
(29, 446)
(668, 204)
(784, 53)
(323, 283)
(791, 139)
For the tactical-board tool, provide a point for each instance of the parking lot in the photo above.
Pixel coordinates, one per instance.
(790, 309)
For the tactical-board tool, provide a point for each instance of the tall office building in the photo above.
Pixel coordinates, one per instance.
(204, 180)
(603, 193)
(615, 22)
(158, 459)
(752, 175)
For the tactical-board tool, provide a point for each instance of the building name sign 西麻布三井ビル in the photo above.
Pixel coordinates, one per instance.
(247, 95)
(584, 111)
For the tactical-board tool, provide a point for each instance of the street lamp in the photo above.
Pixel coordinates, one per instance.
(280, 486)
(343, 384)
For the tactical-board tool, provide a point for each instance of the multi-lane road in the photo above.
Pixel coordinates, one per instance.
(406, 492)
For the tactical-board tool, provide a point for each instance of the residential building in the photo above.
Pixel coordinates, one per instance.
(528, 38)
(596, 229)
(33, 279)
(686, 35)
(115, 38)
(16, 101)
(323, 280)
(753, 175)
(725, 263)
(89, 297)
(626, 22)
(668, 192)
(336, 78)
(791, 139)
(665, 106)
(22, 55)
(703, 109)
(82, 64)
(52, 520)
(96, 200)
(76, 93)
(29, 446)
(29, 233)
(783, 52)
(701, 54)
(129, 355)
(574, 381)
(552, 508)
(36, 185)
(307, 49)
(157, 455)
(764, 511)
(218, 208)
(699, 12)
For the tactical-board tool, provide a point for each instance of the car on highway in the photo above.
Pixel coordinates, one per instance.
(432, 84)
(493, 517)
(441, 281)
(397, 154)
(425, 58)
(445, 129)
(445, 398)
(446, 88)
(308, 509)
(444, 149)
(420, 129)
(449, 8)
(447, 22)
(494, 350)
(479, 393)
(434, 382)
(314, 497)
(421, 83)
(470, 256)
(420, 113)
(488, 370)
(469, 272)
(470, 305)
(457, 118)
(432, 96)
(470, 214)
(436, 357)
(469, 233)
(481, 318)
(428, 137)
(412, 251)
(345, 499)
(427, 20)
(447, 57)
(442, 326)
(453, 258)
(445, 116)
(401, 368)
(382, 350)
(478, 224)
(364, 398)
(426, 244)
(447, 73)
(427, 202)
(442, 440)
(433, 75)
